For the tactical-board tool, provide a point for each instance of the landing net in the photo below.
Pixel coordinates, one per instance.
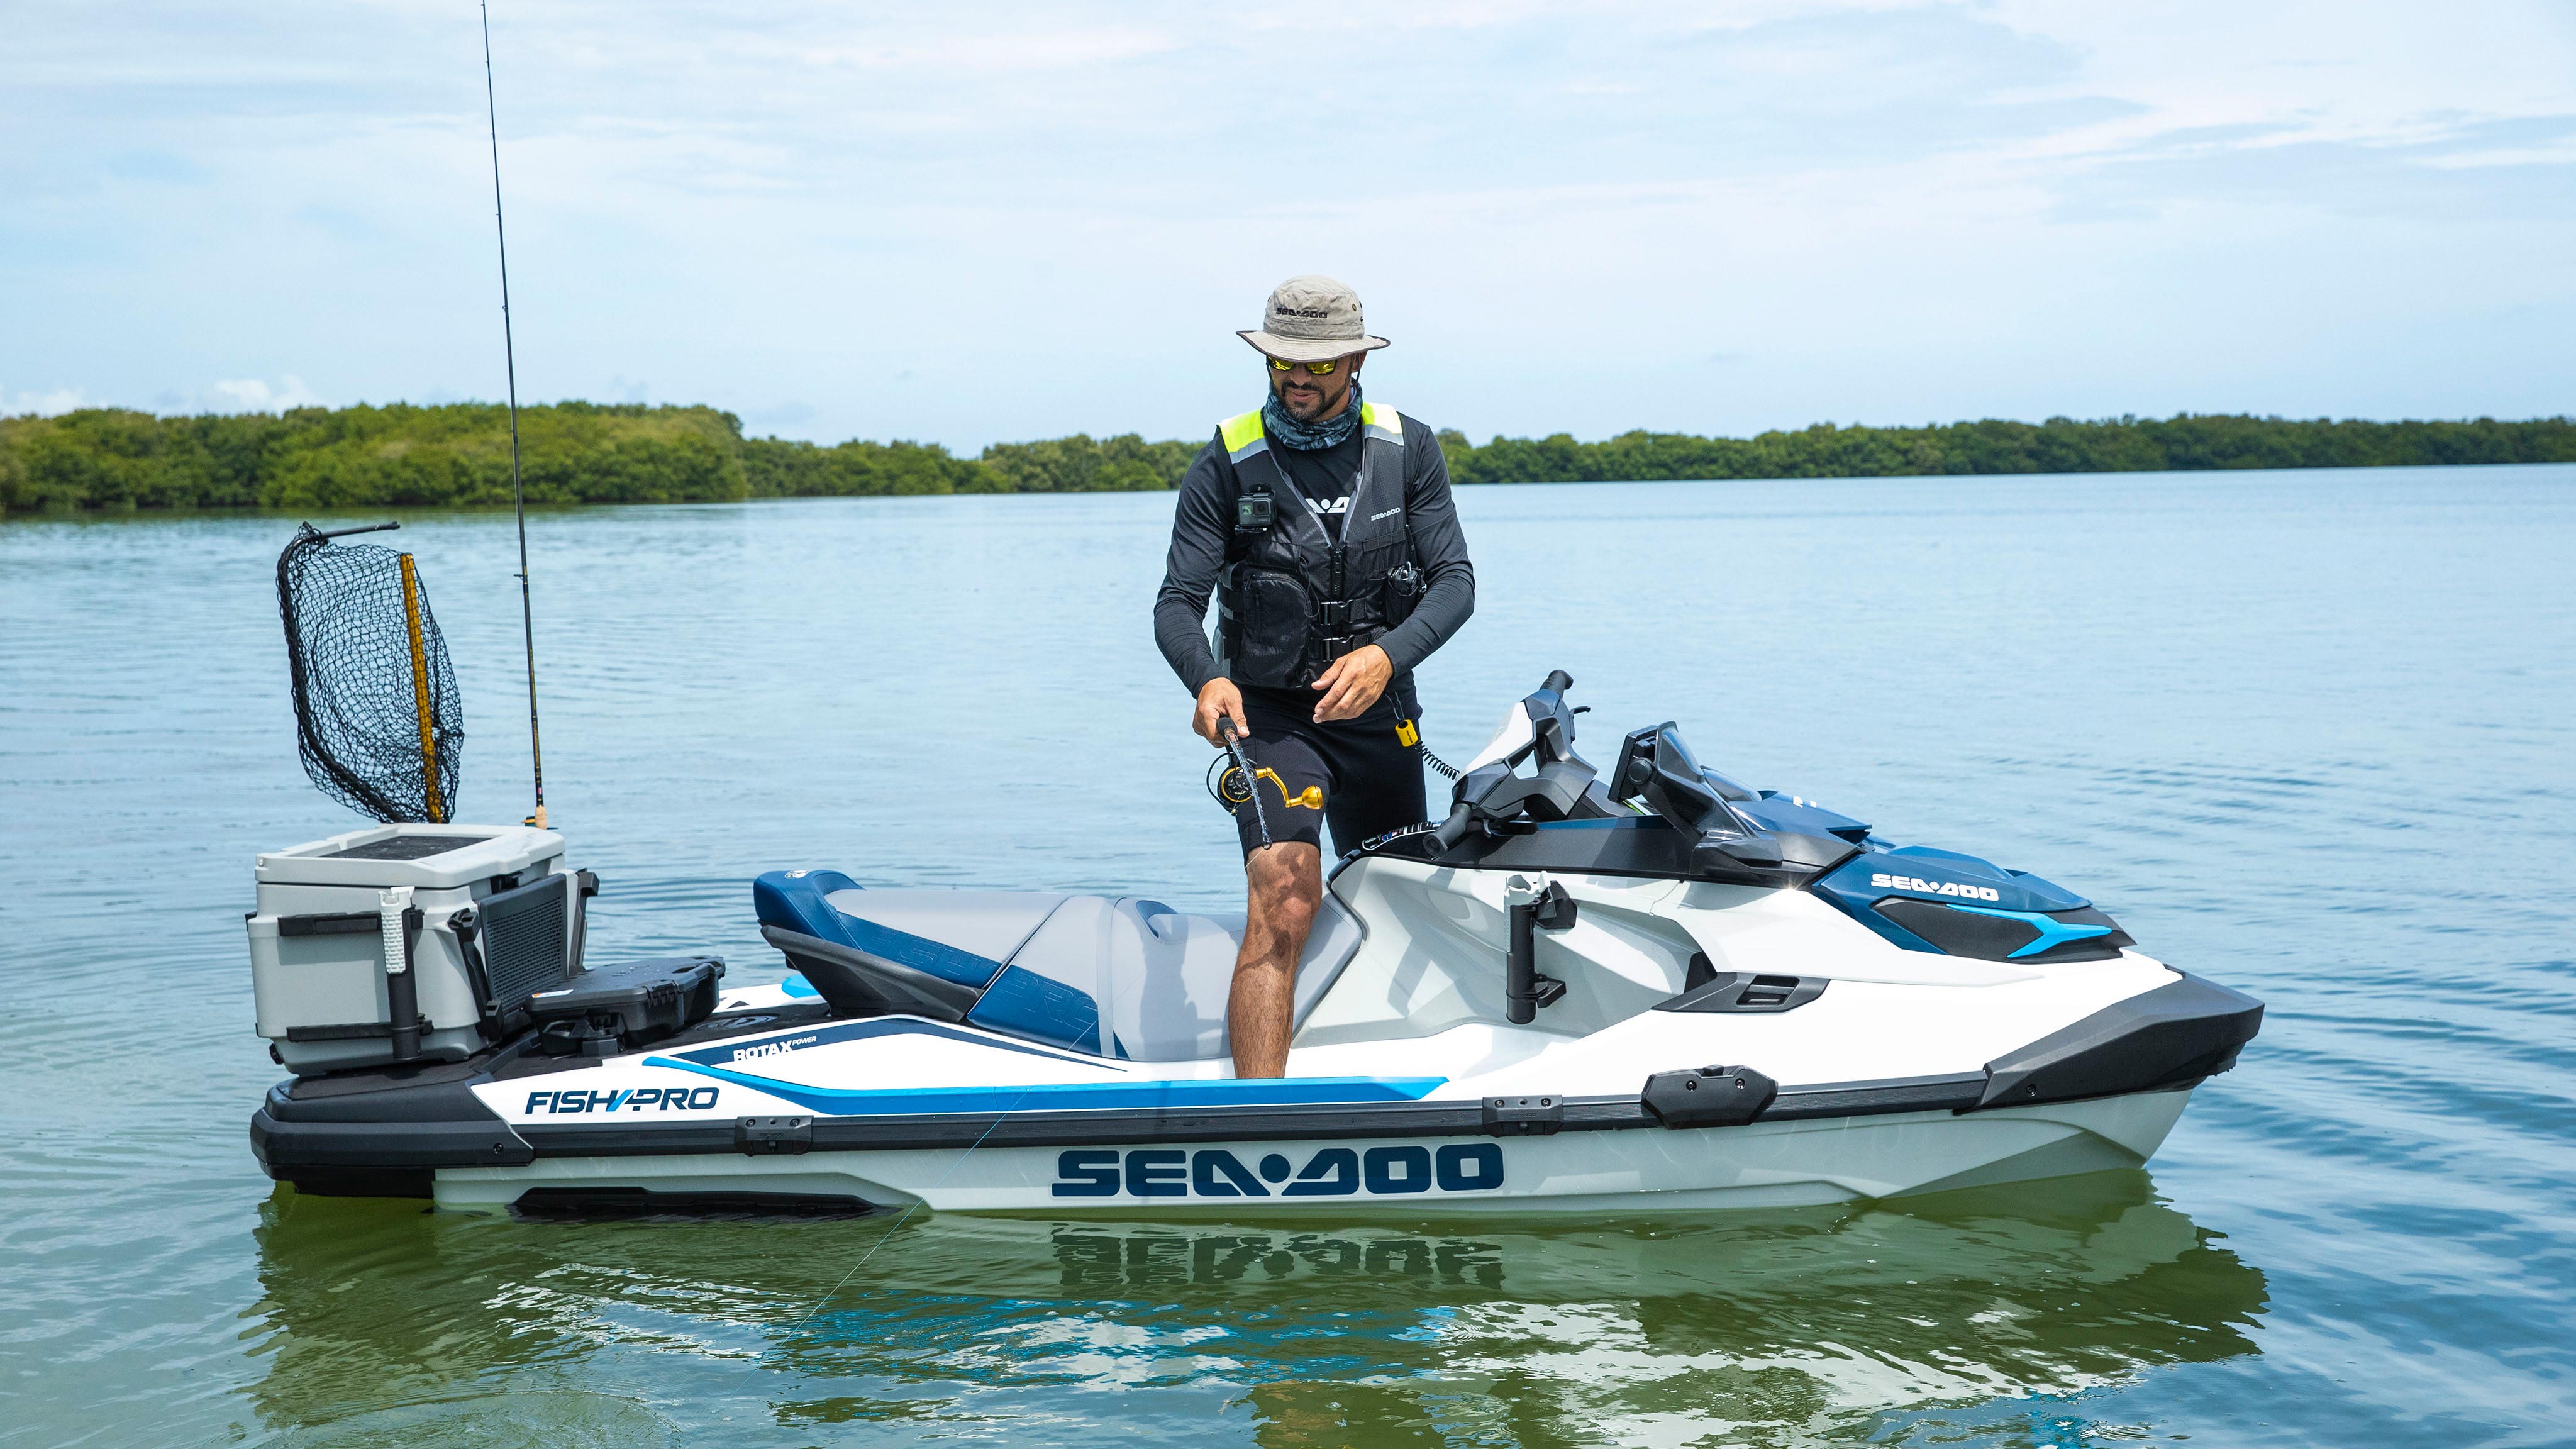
(378, 719)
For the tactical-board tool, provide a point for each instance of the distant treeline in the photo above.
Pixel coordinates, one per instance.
(459, 454)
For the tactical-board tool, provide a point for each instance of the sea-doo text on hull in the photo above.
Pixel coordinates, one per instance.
(1642, 991)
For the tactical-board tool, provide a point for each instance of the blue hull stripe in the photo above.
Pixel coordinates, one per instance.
(724, 1053)
(1073, 1096)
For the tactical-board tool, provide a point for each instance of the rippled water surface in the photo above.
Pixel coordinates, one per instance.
(2311, 734)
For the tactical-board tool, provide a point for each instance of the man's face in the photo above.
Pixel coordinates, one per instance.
(1306, 397)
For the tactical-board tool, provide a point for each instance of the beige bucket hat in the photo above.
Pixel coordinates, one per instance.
(1311, 319)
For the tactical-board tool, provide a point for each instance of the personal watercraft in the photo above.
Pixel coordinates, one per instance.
(1642, 990)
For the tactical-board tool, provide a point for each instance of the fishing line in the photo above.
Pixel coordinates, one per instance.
(915, 1206)
(510, 358)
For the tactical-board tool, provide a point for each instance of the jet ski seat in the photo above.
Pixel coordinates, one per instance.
(1117, 976)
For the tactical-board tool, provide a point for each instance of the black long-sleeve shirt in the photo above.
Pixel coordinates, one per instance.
(1203, 523)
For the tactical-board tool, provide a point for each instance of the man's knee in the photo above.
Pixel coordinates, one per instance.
(1287, 885)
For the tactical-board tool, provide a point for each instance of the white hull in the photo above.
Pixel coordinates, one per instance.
(1631, 1172)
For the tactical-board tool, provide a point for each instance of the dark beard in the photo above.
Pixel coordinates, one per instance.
(1300, 412)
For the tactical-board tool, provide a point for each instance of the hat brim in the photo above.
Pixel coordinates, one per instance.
(1309, 349)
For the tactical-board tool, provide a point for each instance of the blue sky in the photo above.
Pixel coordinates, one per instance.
(976, 222)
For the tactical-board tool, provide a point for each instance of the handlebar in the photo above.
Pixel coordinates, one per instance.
(1558, 680)
(1455, 828)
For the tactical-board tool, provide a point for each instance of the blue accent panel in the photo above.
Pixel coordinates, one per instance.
(1023, 1003)
(2052, 932)
(797, 986)
(1073, 1096)
(1611, 822)
(2035, 894)
(795, 901)
(722, 1054)
(1918, 872)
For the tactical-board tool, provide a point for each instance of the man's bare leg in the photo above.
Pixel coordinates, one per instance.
(1285, 886)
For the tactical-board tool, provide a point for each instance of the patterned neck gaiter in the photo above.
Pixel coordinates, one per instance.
(1287, 432)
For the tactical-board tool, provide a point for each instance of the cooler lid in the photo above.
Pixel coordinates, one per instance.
(428, 857)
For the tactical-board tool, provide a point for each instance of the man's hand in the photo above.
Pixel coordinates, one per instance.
(1352, 684)
(1218, 697)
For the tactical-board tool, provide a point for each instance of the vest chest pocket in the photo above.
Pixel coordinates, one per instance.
(1271, 615)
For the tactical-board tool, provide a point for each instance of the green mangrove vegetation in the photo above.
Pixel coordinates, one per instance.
(112, 459)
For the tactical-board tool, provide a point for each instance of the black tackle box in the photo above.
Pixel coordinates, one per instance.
(634, 1000)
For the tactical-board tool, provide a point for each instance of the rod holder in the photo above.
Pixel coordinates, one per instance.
(400, 921)
(1529, 907)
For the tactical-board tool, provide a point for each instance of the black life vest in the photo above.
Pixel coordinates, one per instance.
(1291, 600)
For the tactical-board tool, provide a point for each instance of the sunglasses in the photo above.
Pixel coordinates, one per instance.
(1318, 369)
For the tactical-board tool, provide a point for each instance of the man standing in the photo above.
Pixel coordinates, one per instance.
(1324, 524)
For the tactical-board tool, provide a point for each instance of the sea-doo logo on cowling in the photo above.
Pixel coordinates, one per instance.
(1935, 887)
(1332, 1172)
(630, 1099)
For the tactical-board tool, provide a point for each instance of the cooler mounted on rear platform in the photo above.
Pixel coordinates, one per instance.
(477, 919)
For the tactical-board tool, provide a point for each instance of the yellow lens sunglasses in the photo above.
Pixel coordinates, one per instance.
(1318, 369)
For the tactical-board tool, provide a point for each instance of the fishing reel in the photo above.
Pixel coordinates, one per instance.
(1226, 784)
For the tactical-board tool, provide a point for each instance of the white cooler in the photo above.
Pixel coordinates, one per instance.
(499, 918)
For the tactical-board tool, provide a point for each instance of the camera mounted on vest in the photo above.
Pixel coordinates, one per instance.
(1254, 512)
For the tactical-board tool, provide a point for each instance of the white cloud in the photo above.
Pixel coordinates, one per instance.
(252, 395)
(42, 404)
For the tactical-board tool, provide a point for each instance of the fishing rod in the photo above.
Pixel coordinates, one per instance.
(1243, 772)
(510, 358)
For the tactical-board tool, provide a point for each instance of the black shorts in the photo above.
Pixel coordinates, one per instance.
(1356, 775)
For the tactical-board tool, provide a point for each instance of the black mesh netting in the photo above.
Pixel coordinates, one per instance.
(349, 653)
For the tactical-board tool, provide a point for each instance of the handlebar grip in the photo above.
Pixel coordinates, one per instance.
(1558, 680)
(1454, 829)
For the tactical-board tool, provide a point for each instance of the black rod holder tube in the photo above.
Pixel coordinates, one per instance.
(402, 993)
(1520, 983)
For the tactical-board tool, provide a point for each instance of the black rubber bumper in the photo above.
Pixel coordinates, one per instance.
(2169, 1037)
(285, 1147)
(379, 1144)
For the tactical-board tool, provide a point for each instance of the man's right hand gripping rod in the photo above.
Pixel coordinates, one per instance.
(1243, 770)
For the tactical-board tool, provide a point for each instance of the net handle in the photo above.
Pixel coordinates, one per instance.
(437, 810)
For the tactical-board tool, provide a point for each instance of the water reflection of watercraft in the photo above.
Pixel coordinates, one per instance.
(1650, 990)
(1787, 1319)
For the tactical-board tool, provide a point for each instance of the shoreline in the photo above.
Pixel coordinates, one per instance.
(116, 462)
(353, 511)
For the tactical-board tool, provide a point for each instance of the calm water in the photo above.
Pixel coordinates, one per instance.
(2312, 734)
